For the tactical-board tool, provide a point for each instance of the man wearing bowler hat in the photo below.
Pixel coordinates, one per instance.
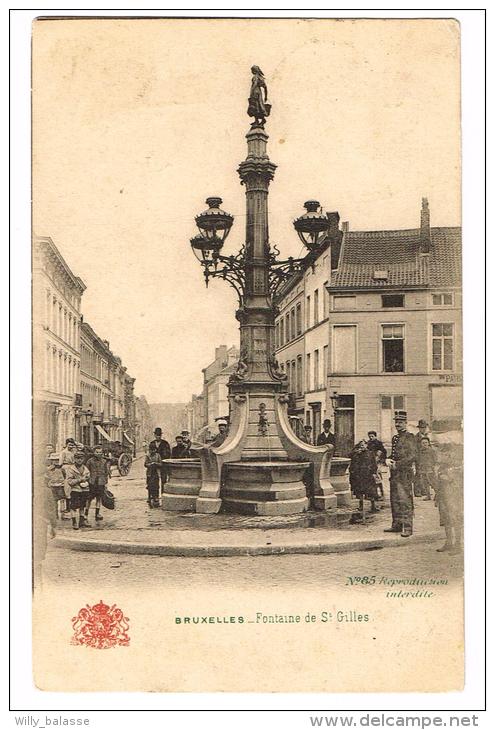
(162, 447)
(403, 456)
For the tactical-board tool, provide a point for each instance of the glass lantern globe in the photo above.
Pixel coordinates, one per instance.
(214, 223)
(312, 227)
(205, 249)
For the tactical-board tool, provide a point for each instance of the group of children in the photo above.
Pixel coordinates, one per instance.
(79, 480)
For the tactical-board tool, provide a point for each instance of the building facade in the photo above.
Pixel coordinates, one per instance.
(213, 402)
(57, 293)
(195, 414)
(215, 383)
(395, 329)
(105, 416)
(381, 331)
(143, 431)
(301, 333)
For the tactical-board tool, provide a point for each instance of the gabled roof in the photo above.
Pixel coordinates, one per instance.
(398, 253)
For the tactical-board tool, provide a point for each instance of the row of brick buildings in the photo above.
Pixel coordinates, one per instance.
(81, 388)
(372, 324)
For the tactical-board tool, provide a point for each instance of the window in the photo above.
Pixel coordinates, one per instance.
(388, 405)
(292, 323)
(293, 377)
(443, 300)
(298, 320)
(316, 365)
(299, 375)
(442, 347)
(392, 300)
(325, 365)
(287, 327)
(392, 348)
(316, 307)
(308, 371)
(308, 311)
(287, 370)
(344, 349)
(281, 332)
(344, 303)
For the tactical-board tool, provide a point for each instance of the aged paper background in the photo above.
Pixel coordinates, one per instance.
(154, 81)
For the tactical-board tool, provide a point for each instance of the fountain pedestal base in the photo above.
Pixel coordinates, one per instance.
(265, 488)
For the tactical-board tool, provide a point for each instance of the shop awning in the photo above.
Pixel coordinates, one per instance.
(103, 432)
(129, 439)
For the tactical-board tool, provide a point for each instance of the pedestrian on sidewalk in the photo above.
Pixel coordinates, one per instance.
(326, 436)
(423, 432)
(426, 466)
(380, 452)
(363, 479)
(76, 488)
(308, 434)
(152, 464)
(163, 449)
(99, 472)
(404, 455)
(186, 440)
(449, 493)
(178, 449)
(66, 456)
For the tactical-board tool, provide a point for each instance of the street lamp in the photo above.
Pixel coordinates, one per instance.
(313, 226)
(334, 399)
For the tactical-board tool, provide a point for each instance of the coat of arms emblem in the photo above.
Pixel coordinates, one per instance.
(100, 626)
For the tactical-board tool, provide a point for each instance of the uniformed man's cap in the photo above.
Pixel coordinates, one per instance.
(221, 421)
(422, 423)
(400, 416)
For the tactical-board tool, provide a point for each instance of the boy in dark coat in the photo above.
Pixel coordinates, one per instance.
(363, 478)
(99, 471)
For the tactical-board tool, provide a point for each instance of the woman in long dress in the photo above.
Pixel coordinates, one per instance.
(258, 105)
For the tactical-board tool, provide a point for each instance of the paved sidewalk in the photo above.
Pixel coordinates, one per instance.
(134, 528)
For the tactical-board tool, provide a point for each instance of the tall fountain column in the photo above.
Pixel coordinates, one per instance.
(262, 467)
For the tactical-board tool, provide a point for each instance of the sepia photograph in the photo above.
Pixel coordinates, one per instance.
(247, 355)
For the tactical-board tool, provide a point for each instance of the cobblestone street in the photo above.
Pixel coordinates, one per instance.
(132, 515)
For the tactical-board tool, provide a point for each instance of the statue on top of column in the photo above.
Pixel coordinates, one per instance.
(258, 104)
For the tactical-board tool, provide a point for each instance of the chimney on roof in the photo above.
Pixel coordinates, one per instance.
(221, 353)
(424, 234)
(345, 226)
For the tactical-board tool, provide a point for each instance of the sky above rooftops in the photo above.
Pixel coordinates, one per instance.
(137, 122)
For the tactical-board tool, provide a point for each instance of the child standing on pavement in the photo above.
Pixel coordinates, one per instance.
(362, 477)
(76, 488)
(152, 464)
(99, 471)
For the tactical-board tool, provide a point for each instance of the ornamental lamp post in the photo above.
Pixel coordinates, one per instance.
(312, 227)
(261, 467)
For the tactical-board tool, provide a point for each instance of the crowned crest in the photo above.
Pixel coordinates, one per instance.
(100, 626)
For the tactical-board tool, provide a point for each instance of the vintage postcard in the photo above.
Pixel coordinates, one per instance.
(248, 358)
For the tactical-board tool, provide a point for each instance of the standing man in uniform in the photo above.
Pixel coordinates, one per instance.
(404, 454)
(162, 447)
